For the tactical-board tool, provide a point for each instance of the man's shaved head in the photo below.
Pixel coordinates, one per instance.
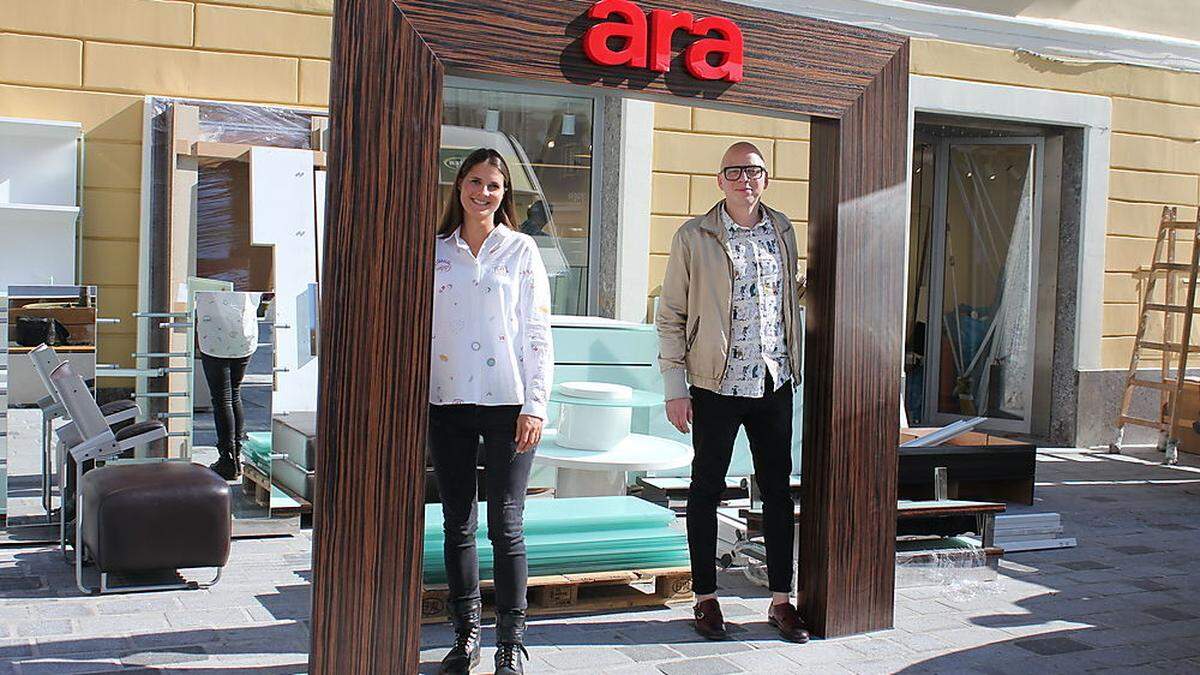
(738, 151)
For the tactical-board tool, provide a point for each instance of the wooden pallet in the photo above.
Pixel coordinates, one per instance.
(588, 593)
(258, 487)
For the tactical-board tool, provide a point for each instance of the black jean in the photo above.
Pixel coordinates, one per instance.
(715, 422)
(454, 432)
(224, 378)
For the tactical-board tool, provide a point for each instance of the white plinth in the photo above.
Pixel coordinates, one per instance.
(591, 427)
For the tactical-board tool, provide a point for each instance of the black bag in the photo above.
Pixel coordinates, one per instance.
(36, 330)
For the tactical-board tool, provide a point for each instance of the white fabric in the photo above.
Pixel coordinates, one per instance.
(227, 323)
(491, 324)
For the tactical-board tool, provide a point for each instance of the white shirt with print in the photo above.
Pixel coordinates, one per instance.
(491, 324)
(227, 323)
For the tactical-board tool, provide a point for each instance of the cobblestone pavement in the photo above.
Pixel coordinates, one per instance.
(1124, 600)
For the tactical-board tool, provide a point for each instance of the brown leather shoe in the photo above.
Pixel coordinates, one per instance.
(709, 622)
(784, 618)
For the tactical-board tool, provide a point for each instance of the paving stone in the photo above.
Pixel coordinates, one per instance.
(166, 657)
(1134, 550)
(43, 627)
(103, 646)
(1150, 585)
(877, 648)
(1169, 613)
(711, 665)
(586, 659)
(1080, 565)
(1053, 645)
(642, 653)
(711, 647)
(761, 661)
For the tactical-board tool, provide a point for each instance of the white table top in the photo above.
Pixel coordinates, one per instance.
(638, 452)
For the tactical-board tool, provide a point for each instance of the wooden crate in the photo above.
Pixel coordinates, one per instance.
(258, 487)
(586, 593)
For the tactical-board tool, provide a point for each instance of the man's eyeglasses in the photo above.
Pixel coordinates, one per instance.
(751, 171)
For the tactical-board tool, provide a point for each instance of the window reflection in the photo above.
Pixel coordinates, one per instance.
(547, 142)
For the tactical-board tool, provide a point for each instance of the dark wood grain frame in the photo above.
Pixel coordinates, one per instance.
(390, 57)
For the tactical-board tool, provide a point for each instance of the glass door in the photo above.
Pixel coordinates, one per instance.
(983, 280)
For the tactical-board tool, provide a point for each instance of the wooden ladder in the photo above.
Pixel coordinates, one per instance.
(1173, 347)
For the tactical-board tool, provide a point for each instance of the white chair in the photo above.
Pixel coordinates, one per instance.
(148, 516)
(45, 360)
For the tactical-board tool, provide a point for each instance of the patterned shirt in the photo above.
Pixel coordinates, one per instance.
(491, 323)
(757, 343)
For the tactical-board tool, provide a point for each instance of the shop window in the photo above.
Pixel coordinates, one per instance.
(547, 142)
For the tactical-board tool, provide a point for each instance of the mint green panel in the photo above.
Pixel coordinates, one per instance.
(629, 356)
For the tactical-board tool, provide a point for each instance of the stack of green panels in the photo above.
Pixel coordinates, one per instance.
(565, 536)
(257, 450)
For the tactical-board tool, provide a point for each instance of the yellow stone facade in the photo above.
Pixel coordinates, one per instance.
(92, 62)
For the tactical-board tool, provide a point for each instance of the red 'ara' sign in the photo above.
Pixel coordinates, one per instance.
(646, 42)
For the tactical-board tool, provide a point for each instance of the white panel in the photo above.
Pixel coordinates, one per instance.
(633, 235)
(37, 162)
(282, 195)
(319, 207)
(37, 244)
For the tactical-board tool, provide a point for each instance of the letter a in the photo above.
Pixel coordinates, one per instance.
(632, 29)
(729, 45)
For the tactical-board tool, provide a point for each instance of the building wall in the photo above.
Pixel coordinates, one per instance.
(688, 145)
(1160, 17)
(92, 61)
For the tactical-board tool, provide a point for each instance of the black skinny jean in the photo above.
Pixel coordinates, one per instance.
(454, 432)
(225, 383)
(715, 422)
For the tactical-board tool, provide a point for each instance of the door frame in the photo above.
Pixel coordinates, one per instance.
(937, 276)
(389, 61)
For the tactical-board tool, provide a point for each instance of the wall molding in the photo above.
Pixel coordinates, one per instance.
(1051, 38)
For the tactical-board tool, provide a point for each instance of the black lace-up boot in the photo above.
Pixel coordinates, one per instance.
(510, 642)
(466, 615)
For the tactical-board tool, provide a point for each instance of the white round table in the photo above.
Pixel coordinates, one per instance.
(594, 460)
(597, 473)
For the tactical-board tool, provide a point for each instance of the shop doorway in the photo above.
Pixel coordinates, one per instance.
(973, 306)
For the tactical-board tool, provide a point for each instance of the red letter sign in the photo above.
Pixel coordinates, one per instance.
(663, 25)
(647, 44)
(729, 45)
(632, 30)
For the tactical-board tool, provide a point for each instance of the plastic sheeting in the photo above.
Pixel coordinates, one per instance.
(223, 249)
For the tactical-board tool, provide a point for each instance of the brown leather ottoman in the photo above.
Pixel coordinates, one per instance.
(155, 516)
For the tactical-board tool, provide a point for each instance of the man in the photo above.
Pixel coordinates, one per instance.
(728, 323)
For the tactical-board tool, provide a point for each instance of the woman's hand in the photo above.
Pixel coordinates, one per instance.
(529, 432)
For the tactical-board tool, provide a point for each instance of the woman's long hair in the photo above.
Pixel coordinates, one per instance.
(452, 215)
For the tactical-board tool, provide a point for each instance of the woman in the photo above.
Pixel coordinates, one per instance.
(490, 375)
(226, 338)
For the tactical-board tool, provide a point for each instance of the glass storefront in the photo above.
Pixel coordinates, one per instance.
(547, 142)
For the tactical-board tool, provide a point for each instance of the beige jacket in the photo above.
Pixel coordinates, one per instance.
(696, 303)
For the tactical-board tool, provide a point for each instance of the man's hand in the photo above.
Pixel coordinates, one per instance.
(529, 432)
(679, 412)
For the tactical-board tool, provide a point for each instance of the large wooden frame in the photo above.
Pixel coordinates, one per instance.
(389, 60)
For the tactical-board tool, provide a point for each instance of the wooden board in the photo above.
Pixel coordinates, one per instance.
(591, 592)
